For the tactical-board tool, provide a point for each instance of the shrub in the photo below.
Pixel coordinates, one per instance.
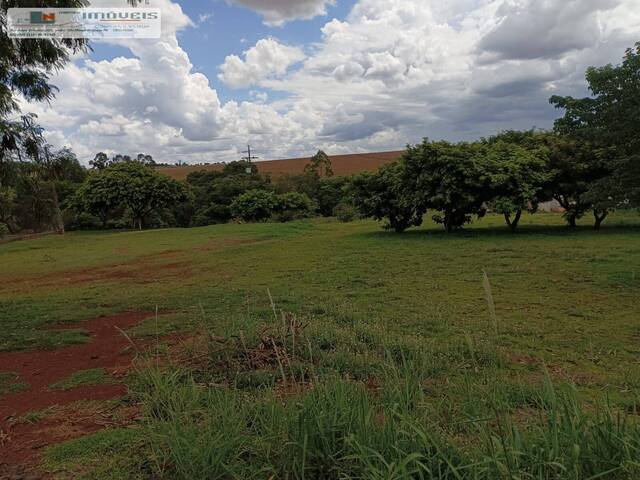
(81, 221)
(212, 215)
(346, 212)
(254, 205)
(293, 206)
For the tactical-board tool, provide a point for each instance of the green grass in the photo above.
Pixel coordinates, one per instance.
(93, 376)
(105, 455)
(9, 383)
(408, 359)
(36, 415)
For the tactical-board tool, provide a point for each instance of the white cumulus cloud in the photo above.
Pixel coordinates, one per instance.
(265, 59)
(278, 12)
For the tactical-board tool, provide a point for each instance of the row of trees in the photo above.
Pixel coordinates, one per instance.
(240, 191)
(509, 173)
(125, 191)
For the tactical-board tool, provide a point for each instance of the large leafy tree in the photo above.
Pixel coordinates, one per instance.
(133, 185)
(572, 166)
(146, 190)
(575, 167)
(100, 195)
(26, 65)
(518, 178)
(449, 178)
(609, 120)
(384, 195)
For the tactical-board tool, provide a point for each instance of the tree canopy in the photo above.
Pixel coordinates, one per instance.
(609, 119)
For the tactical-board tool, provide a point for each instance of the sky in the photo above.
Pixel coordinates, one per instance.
(346, 76)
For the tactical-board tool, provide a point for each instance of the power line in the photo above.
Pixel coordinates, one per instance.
(249, 157)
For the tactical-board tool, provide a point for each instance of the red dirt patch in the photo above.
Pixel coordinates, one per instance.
(27, 439)
(108, 349)
(142, 270)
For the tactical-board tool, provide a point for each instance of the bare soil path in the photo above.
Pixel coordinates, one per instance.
(21, 442)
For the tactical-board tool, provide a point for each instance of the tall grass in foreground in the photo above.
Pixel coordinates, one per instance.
(271, 402)
(340, 428)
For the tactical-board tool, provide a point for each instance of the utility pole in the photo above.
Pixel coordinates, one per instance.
(249, 157)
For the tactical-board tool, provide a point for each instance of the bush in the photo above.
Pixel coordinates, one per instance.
(81, 221)
(293, 206)
(212, 215)
(4, 230)
(346, 212)
(254, 205)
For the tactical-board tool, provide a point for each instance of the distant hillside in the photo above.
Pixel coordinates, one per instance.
(342, 165)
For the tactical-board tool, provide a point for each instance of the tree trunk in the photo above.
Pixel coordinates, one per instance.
(513, 224)
(447, 226)
(571, 220)
(57, 213)
(447, 221)
(599, 215)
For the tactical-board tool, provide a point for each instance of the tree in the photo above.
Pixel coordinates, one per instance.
(384, 196)
(27, 64)
(135, 186)
(99, 195)
(214, 192)
(610, 121)
(119, 158)
(8, 205)
(255, 205)
(518, 179)
(574, 167)
(100, 161)
(146, 160)
(23, 141)
(320, 165)
(449, 178)
(331, 192)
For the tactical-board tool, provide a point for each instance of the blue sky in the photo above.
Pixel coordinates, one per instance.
(347, 76)
(228, 29)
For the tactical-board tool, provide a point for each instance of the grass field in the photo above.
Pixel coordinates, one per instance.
(317, 349)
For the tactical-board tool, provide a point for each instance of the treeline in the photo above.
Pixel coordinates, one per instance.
(125, 192)
(590, 162)
(509, 174)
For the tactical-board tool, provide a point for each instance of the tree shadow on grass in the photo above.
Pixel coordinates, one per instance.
(524, 231)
